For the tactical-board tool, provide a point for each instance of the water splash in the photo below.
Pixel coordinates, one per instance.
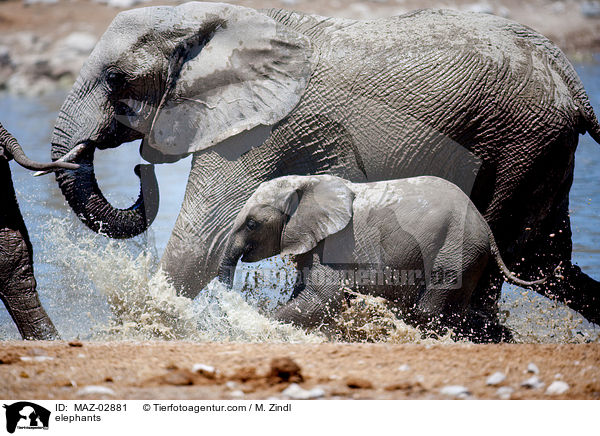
(110, 290)
(143, 305)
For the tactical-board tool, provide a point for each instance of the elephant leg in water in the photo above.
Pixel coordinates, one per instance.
(17, 282)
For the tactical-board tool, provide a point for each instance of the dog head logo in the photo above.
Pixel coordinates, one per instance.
(26, 415)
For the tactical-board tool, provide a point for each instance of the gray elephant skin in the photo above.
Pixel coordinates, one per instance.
(17, 282)
(419, 242)
(479, 100)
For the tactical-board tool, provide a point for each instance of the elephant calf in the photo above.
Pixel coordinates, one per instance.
(418, 242)
(17, 283)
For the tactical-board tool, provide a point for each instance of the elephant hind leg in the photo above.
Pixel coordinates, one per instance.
(569, 285)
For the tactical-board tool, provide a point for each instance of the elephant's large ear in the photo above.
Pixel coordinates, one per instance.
(317, 209)
(238, 72)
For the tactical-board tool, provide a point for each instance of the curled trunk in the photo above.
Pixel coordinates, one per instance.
(81, 190)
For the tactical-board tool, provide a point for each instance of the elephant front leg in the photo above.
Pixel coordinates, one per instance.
(317, 298)
(18, 289)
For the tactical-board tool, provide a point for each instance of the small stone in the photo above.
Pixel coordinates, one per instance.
(404, 368)
(75, 344)
(557, 387)
(36, 358)
(532, 382)
(495, 379)
(205, 370)
(358, 383)
(455, 391)
(532, 368)
(95, 390)
(236, 394)
(558, 375)
(231, 385)
(504, 392)
(296, 392)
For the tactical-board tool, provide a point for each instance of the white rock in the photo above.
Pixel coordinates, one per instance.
(231, 385)
(237, 394)
(296, 392)
(495, 379)
(504, 392)
(557, 387)
(532, 382)
(404, 367)
(204, 369)
(532, 368)
(79, 42)
(36, 358)
(37, 2)
(95, 390)
(122, 4)
(481, 8)
(455, 391)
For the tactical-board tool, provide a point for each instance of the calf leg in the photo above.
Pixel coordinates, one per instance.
(315, 302)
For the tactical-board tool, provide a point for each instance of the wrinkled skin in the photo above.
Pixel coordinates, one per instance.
(367, 237)
(17, 282)
(478, 100)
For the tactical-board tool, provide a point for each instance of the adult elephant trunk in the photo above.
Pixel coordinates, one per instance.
(81, 190)
(75, 138)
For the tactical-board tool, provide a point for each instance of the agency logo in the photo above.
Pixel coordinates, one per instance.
(26, 415)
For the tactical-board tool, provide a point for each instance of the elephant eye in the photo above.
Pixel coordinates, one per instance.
(115, 79)
(251, 224)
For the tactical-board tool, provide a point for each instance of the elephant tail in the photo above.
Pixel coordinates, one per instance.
(510, 277)
(594, 129)
(591, 122)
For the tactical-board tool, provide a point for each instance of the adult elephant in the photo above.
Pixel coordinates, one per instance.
(479, 100)
(17, 282)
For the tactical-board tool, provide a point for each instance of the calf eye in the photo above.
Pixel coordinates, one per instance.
(251, 224)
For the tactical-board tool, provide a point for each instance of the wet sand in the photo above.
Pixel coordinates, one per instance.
(163, 370)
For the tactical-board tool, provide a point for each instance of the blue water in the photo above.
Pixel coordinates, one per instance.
(31, 121)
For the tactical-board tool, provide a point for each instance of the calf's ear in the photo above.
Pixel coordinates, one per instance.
(317, 209)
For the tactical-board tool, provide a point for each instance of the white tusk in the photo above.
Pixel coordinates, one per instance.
(70, 156)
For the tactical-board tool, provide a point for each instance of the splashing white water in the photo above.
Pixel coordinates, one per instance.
(143, 305)
(114, 287)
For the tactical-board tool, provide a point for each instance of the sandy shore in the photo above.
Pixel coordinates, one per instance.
(163, 370)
